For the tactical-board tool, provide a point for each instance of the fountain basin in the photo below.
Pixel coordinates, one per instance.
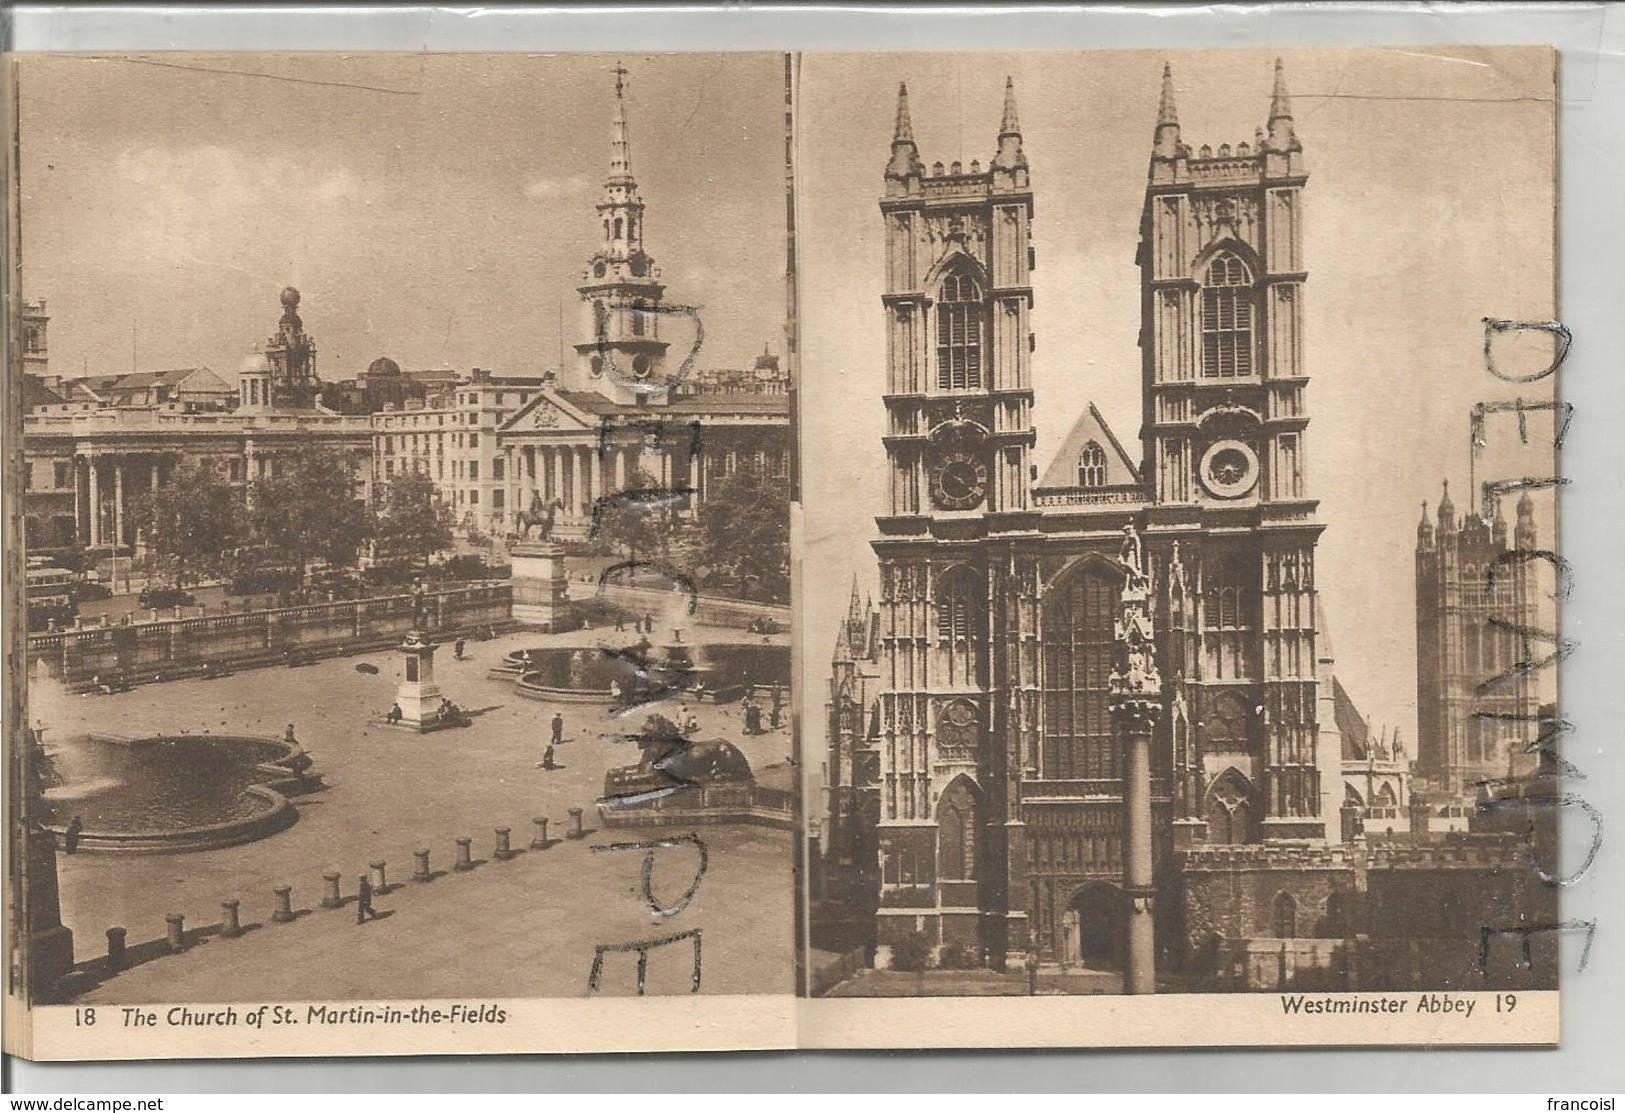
(720, 673)
(171, 793)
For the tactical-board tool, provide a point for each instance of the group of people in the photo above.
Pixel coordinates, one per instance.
(644, 625)
(753, 712)
(448, 713)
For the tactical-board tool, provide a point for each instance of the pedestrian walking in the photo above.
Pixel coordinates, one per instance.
(558, 728)
(363, 901)
(70, 841)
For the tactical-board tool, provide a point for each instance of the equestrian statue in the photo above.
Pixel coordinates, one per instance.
(539, 514)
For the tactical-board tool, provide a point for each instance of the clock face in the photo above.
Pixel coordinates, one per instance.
(1229, 469)
(959, 481)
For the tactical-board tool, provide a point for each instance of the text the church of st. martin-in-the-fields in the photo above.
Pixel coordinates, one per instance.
(1091, 723)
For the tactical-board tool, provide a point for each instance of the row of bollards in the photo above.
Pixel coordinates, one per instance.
(231, 926)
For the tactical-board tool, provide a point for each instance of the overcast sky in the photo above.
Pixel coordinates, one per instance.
(434, 209)
(1430, 205)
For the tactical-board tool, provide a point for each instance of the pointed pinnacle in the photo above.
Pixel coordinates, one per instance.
(1280, 101)
(905, 127)
(1011, 124)
(1167, 111)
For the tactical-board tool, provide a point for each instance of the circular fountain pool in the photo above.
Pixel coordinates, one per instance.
(170, 792)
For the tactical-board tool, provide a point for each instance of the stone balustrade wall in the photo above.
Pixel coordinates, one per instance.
(162, 650)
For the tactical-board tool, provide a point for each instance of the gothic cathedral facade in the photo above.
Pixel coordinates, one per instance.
(1015, 816)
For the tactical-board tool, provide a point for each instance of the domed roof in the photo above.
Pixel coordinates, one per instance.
(290, 297)
(383, 365)
(254, 363)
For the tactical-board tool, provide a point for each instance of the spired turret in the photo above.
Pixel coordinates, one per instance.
(1009, 165)
(905, 166)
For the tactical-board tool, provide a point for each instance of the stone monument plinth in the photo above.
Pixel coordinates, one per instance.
(541, 590)
(418, 695)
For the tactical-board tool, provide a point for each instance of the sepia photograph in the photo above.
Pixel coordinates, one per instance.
(1175, 595)
(405, 485)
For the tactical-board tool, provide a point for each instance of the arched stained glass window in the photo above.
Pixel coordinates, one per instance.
(1227, 319)
(959, 333)
(1092, 466)
(1286, 916)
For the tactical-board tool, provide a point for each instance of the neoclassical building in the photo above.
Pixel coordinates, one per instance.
(631, 398)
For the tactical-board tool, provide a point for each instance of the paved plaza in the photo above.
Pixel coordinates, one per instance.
(525, 927)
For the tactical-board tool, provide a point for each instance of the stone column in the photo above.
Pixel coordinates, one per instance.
(175, 932)
(331, 897)
(95, 483)
(118, 501)
(1134, 725)
(284, 904)
(538, 840)
(79, 535)
(465, 858)
(597, 472)
(1134, 701)
(420, 871)
(620, 470)
(694, 477)
(586, 490)
(380, 880)
(665, 468)
(504, 847)
(575, 831)
(231, 924)
(154, 483)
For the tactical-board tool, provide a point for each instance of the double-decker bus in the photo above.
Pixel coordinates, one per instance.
(50, 595)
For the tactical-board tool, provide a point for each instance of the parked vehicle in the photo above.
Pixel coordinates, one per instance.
(162, 597)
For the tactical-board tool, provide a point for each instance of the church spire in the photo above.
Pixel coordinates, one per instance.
(1281, 138)
(621, 209)
(855, 609)
(1010, 154)
(905, 156)
(1166, 143)
(620, 158)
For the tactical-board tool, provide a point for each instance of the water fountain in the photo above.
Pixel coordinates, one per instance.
(169, 792)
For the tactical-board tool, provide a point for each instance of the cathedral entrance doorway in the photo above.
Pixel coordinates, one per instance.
(1092, 928)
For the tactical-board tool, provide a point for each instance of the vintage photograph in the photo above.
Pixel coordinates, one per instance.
(405, 478)
(1178, 575)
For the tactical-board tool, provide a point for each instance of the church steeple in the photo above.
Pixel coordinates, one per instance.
(905, 156)
(621, 353)
(621, 209)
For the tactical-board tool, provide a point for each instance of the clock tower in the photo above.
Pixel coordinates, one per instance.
(1224, 428)
(959, 436)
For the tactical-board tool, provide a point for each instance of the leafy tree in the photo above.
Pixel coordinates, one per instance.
(745, 533)
(308, 509)
(414, 523)
(637, 519)
(191, 524)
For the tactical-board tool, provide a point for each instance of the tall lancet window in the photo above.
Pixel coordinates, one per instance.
(1092, 466)
(959, 333)
(959, 624)
(1227, 319)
